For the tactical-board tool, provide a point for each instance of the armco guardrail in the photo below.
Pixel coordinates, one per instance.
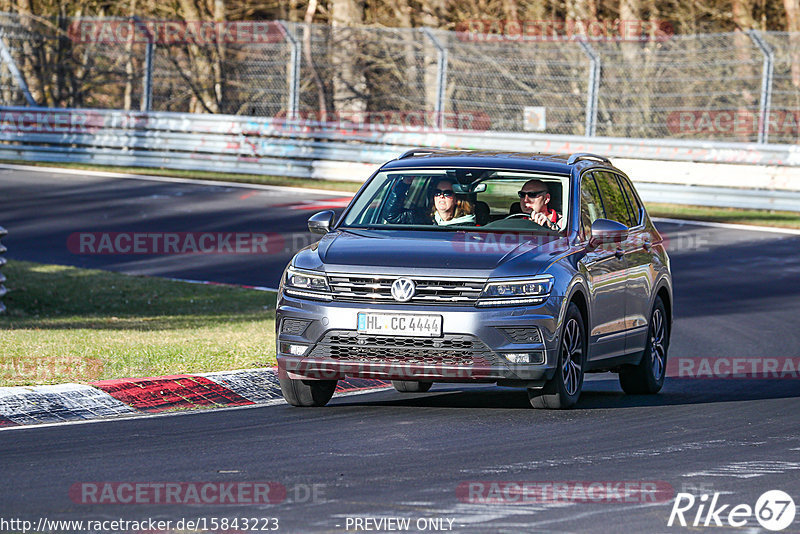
(3, 233)
(232, 143)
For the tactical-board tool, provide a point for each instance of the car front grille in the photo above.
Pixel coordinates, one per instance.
(429, 290)
(349, 346)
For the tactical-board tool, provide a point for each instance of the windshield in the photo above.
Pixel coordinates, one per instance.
(456, 199)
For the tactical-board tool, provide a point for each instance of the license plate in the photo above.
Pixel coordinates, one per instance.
(400, 324)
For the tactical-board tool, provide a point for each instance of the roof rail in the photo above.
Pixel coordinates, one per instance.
(578, 156)
(421, 151)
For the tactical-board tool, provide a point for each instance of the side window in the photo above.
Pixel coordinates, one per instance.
(591, 205)
(633, 202)
(369, 205)
(614, 203)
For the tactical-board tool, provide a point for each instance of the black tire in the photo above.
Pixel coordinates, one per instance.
(411, 386)
(648, 376)
(307, 392)
(564, 389)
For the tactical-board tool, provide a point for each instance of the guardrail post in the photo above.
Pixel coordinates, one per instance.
(294, 71)
(594, 88)
(441, 76)
(3, 232)
(5, 56)
(765, 101)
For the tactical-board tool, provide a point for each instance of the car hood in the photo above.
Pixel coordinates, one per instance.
(468, 253)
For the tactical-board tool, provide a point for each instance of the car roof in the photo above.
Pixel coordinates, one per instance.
(528, 161)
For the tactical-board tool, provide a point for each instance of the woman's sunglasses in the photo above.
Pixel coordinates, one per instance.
(446, 193)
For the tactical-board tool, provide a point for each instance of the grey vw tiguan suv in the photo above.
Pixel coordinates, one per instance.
(524, 270)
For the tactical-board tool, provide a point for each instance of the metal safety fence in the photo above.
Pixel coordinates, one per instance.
(299, 148)
(731, 87)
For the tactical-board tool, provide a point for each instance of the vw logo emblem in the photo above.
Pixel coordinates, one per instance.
(403, 289)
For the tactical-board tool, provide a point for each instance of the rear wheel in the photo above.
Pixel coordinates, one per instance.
(563, 390)
(411, 386)
(648, 376)
(307, 392)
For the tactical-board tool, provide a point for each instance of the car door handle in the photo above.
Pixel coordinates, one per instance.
(619, 253)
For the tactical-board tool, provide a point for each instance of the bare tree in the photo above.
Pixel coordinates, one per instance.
(432, 11)
(349, 84)
(742, 11)
(581, 10)
(203, 70)
(309, 57)
(127, 100)
(793, 25)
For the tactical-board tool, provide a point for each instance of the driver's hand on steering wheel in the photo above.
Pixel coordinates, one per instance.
(540, 219)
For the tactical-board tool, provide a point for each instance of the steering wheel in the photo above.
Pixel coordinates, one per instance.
(526, 216)
(515, 215)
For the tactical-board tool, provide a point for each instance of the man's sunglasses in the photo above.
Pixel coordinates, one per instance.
(447, 193)
(530, 194)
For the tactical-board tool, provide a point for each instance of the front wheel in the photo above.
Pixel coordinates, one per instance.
(411, 386)
(562, 391)
(307, 392)
(648, 376)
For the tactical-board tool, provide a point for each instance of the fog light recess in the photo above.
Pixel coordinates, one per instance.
(525, 357)
(293, 349)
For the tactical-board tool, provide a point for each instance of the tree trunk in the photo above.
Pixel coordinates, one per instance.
(307, 29)
(129, 70)
(410, 68)
(793, 25)
(200, 67)
(30, 67)
(581, 10)
(743, 18)
(349, 84)
(630, 13)
(219, 57)
(432, 10)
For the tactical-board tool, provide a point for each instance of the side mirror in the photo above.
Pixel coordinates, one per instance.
(606, 231)
(320, 223)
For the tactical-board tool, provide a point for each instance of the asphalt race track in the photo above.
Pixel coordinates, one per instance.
(391, 455)
(41, 210)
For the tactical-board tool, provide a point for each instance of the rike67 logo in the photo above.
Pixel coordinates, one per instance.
(774, 510)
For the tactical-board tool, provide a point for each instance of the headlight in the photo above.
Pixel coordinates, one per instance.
(306, 284)
(515, 292)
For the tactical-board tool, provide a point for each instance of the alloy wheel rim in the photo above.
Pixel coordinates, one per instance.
(657, 351)
(571, 352)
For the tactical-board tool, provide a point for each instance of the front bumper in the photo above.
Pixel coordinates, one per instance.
(471, 349)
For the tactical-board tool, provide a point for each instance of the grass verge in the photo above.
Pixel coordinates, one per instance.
(66, 324)
(782, 219)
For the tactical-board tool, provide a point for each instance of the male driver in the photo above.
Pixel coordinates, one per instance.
(534, 199)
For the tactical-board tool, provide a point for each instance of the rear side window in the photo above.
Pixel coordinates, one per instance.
(615, 205)
(633, 202)
(591, 205)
